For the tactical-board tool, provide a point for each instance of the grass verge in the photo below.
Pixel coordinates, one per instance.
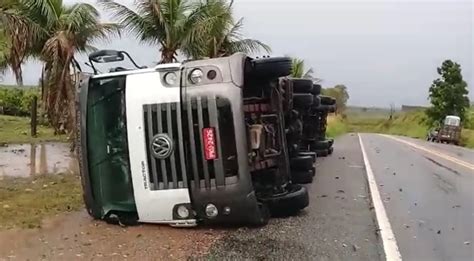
(405, 124)
(17, 130)
(25, 202)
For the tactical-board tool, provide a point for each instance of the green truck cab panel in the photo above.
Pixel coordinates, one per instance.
(107, 146)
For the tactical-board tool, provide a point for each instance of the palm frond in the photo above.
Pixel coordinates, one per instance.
(137, 23)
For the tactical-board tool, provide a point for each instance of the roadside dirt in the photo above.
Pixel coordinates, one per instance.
(76, 236)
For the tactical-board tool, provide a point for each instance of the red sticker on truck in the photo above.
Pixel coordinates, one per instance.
(209, 140)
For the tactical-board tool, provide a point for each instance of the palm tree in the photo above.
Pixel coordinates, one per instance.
(221, 36)
(4, 51)
(298, 69)
(18, 33)
(67, 31)
(196, 28)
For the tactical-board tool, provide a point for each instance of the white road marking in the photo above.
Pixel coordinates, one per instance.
(433, 152)
(389, 241)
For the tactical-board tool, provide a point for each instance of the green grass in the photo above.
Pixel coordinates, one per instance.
(336, 126)
(17, 130)
(405, 124)
(25, 202)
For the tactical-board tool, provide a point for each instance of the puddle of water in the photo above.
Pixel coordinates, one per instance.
(24, 160)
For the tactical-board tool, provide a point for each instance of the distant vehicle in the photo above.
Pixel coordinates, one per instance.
(449, 132)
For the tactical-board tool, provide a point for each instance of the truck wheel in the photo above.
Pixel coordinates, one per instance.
(302, 100)
(330, 150)
(316, 101)
(302, 85)
(121, 218)
(322, 153)
(263, 215)
(302, 176)
(316, 89)
(327, 100)
(270, 68)
(302, 163)
(290, 203)
(321, 145)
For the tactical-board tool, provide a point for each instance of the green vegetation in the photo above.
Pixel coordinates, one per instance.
(448, 94)
(15, 101)
(336, 126)
(339, 92)
(26, 202)
(17, 130)
(411, 124)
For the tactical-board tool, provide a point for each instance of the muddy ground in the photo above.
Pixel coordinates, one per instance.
(75, 236)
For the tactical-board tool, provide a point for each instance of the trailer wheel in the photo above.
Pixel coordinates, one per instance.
(327, 100)
(302, 100)
(330, 150)
(302, 163)
(302, 176)
(270, 68)
(302, 85)
(295, 199)
(322, 153)
(316, 89)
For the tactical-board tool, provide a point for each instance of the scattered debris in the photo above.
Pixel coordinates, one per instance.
(439, 232)
(324, 195)
(340, 191)
(361, 196)
(355, 247)
(381, 185)
(394, 173)
(336, 177)
(344, 245)
(406, 226)
(416, 204)
(467, 243)
(456, 206)
(400, 189)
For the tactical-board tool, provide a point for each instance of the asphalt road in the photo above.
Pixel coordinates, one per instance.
(426, 190)
(339, 224)
(428, 193)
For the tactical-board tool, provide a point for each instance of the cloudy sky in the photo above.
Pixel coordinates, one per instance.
(383, 51)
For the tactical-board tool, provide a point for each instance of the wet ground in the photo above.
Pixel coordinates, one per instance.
(338, 224)
(76, 237)
(427, 192)
(23, 160)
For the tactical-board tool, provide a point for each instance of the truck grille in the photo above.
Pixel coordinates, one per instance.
(216, 112)
(184, 124)
(168, 173)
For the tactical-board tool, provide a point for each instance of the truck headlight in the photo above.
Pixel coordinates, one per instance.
(170, 78)
(182, 211)
(211, 210)
(196, 76)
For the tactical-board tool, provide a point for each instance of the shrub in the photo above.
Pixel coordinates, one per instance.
(17, 102)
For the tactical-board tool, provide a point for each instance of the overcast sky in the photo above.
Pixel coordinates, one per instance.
(383, 51)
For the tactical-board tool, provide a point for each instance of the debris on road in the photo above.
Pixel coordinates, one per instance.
(400, 189)
(340, 191)
(439, 232)
(355, 247)
(467, 243)
(456, 206)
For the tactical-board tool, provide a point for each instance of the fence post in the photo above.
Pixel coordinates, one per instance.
(34, 115)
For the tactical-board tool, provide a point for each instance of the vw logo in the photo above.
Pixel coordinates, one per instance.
(161, 146)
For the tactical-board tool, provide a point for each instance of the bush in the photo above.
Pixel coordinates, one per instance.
(17, 102)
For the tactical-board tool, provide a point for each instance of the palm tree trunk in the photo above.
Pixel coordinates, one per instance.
(167, 55)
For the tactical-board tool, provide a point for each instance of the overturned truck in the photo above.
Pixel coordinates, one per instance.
(211, 141)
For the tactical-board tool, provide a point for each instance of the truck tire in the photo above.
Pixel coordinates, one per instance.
(302, 163)
(302, 100)
(317, 89)
(263, 215)
(302, 85)
(327, 100)
(322, 153)
(302, 177)
(295, 199)
(308, 153)
(270, 68)
(321, 144)
(330, 150)
(316, 101)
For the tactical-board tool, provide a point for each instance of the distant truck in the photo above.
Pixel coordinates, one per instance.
(449, 132)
